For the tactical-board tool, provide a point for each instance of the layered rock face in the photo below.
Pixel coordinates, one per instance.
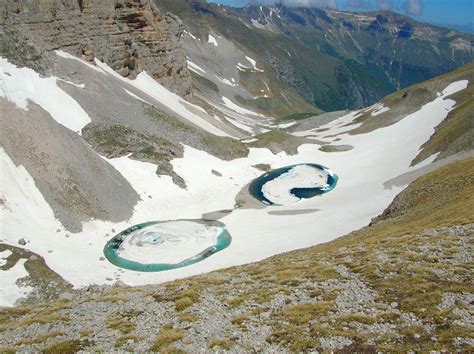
(129, 35)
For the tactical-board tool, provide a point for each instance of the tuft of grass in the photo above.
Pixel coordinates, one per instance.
(294, 338)
(113, 299)
(10, 314)
(39, 339)
(184, 303)
(41, 319)
(238, 300)
(120, 324)
(121, 341)
(221, 343)
(183, 298)
(357, 318)
(303, 313)
(167, 336)
(86, 332)
(122, 321)
(68, 347)
(238, 320)
(187, 317)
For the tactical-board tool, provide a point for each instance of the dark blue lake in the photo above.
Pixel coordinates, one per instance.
(255, 187)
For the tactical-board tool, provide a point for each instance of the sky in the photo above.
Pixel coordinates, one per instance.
(448, 12)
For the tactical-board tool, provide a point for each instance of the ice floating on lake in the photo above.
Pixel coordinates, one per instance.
(288, 185)
(157, 246)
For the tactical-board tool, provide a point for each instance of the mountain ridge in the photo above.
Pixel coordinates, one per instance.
(344, 72)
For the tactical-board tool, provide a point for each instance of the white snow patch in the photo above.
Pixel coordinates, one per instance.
(228, 103)
(65, 55)
(10, 292)
(212, 40)
(18, 85)
(240, 125)
(379, 110)
(286, 125)
(257, 24)
(3, 257)
(196, 68)
(254, 64)
(136, 97)
(248, 141)
(339, 126)
(266, 85)
(242, 67)
(190, 34)
(72, 83)
(227, 81)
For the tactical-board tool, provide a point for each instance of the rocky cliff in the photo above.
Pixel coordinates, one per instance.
(129, 35)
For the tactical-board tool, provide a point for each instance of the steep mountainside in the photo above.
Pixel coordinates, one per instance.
(335, 60)
(130, 36)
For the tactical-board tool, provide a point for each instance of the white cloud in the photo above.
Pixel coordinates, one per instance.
(300, 3)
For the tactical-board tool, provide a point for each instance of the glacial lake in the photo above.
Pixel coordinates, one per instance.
(163, 245)
(300, 181)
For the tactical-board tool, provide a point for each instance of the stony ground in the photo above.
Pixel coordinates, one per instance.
(404, 283)
(352, 299)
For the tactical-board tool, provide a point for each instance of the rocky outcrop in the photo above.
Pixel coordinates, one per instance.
(78, 184)
(129, 35)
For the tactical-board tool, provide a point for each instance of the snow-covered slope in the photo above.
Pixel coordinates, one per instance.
(212, 184)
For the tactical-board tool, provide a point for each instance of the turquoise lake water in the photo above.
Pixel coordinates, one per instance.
(111, 249)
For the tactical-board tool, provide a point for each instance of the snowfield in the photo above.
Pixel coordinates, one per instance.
(19, 85)
(376, 157)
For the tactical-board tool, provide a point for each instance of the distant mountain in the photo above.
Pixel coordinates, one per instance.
(467, 28)
(335, 60)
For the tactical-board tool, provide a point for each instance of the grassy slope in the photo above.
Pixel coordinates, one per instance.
(454, 134)
(401, 267)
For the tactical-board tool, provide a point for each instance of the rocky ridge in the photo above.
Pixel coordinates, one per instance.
(334, 59)
(130, 36)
